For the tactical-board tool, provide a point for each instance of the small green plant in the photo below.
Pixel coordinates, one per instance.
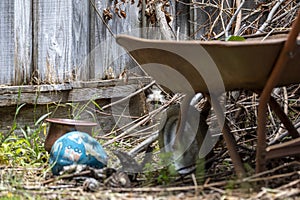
(80, 109)
(164, 173)
(200, 171)
(22, 151)
(25, 149)
(10, 196)
(231, 184)
(14, 125)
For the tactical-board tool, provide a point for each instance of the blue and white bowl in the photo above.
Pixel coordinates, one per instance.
(77, 147)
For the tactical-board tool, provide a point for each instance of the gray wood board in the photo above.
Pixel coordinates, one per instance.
(60, 41)
(107, 53)
(71, 92)
(53, 40)
(15, 42)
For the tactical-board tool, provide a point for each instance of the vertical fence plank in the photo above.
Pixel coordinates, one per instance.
(6, 42)
(106, 51)
(15, 42)
(80, 36)
(23, 41)
(53, 40)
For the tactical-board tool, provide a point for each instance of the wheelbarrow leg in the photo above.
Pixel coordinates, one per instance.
(283, 118)
(272, 81)
(229, 139)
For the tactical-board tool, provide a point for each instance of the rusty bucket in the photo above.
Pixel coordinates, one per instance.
(59, 127)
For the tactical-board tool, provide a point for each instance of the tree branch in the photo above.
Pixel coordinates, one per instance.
(233, 18)
(270, 16)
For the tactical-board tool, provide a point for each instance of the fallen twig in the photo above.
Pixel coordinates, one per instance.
(66, 176)
(144, 120)
(143, 145)
(129, 96)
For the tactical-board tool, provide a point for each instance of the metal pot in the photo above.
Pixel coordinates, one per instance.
(59, 127)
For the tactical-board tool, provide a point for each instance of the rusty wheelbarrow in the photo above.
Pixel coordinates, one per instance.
(212, 67)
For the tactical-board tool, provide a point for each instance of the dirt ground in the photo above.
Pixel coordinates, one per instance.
(282, 182)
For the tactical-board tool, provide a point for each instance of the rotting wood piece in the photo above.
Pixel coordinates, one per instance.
(69, 92)
(284, 149)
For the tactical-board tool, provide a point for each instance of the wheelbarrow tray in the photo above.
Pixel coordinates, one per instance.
(241, 64)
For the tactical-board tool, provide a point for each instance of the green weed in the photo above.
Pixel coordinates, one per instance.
(163, 172)
(25, 149)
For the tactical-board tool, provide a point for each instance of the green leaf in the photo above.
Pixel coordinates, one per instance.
(97, 105)
(24, 133)
(20, 151)
(19, 108)
(235, 38)
(42, 118)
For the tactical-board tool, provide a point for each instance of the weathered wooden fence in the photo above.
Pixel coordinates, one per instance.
(46, 41)
(56, 52)
(52, 45)
(49, 41)
(52, 41)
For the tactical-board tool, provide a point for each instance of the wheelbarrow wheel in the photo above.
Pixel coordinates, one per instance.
(189, 160)
(168, 131)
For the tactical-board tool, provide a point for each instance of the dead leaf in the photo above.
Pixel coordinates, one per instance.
(107, 14)
(123, 13)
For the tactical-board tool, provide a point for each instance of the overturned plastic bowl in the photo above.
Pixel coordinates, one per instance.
(59, 127)
(76, 148)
